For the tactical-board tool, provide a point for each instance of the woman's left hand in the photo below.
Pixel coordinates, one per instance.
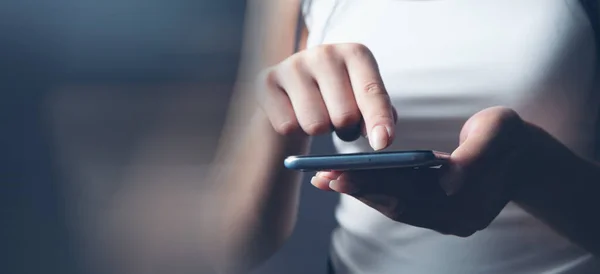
(495, 156)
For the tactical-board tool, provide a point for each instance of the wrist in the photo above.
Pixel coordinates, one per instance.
(549, 166)
(561, 190)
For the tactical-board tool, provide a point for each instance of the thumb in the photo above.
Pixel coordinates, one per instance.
(483, 136)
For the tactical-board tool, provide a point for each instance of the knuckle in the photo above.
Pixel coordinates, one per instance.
(322, 54)
(292, 64)
(465, 233)
(357, 50)
(507, 123)
(328, 50)
(480, 226)
(286, 128)
(316, 128)
(374, 88)
(445, 231)
(506, 115)
(395, 214)
(266, 80)
(265, 86)
(476, 222)
(502, 116)
(268, 76)
(346, 119)
(462, 230)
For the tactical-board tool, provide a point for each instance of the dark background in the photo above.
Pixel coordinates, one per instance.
(104, 68)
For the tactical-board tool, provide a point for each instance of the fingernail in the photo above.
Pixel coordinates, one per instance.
(380, 137)
(313, 180)
(333, 184)
(316, 181)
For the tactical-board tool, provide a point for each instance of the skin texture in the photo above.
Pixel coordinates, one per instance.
(283, 98)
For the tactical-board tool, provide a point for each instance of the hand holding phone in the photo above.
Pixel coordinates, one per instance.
(369, 160)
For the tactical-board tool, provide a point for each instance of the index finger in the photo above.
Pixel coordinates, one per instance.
(371, 96)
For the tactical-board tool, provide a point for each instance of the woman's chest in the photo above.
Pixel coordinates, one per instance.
(449, 59)
(505, 51)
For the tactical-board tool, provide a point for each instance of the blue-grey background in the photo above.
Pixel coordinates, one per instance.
(116, 59)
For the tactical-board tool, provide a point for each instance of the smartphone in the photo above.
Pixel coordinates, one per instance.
(369, 160)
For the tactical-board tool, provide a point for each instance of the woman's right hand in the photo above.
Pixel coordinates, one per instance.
(329, 87)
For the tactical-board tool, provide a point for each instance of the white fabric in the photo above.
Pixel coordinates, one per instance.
(442, 61)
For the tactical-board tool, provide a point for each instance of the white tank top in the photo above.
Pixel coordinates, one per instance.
(442, 61)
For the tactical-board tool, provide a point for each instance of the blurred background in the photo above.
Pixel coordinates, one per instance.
(104, 106)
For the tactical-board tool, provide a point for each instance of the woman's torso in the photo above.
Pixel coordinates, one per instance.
(442, 61)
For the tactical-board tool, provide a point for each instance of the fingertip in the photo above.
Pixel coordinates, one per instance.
(342, 186)
(320, 183)
(381, 137)
(335, 185)
(329, 175)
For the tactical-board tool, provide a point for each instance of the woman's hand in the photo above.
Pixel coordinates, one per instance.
(329, 87)
(493, 158)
